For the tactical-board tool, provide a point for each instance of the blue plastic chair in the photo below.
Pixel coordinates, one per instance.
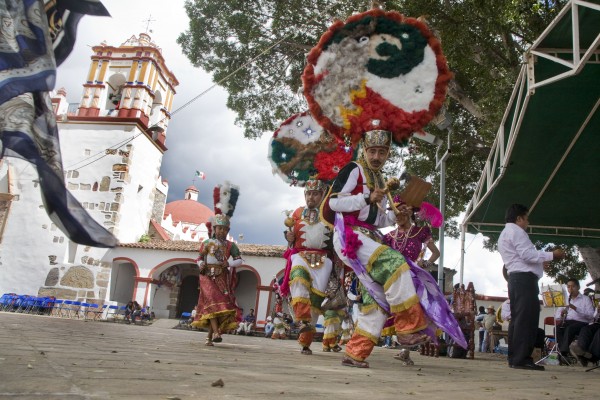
(57, 307)
(97, 312)
(7, 301)
(75, 309)
(66, 308)
(113, 311)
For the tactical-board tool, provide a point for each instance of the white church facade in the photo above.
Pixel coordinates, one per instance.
(112, 145)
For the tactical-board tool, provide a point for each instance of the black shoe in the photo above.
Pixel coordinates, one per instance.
(583, 361)
(530, 366)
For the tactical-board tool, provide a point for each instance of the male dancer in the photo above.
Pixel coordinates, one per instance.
(359, 196)
(309, 264)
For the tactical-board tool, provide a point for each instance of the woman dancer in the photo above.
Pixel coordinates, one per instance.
(412, 241)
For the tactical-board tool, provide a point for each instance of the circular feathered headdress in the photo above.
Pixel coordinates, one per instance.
(377, 71)
(301, 150)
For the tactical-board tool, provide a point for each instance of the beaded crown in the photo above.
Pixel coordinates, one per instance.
(221, 220)
(315, 185)
(377, 138)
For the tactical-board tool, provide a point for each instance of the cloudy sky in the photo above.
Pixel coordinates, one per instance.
(202, 136)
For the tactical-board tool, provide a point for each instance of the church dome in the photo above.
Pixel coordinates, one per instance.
(188, 211)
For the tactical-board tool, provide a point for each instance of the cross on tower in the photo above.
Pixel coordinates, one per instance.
(148, 21)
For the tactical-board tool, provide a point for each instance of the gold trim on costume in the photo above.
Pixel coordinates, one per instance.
(395, 276)
(313, 259)
(411, 301)
(408, 332)
(366, 334)
(375, 256)
(303, 300)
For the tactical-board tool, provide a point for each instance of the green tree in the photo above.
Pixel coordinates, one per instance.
(256, 50)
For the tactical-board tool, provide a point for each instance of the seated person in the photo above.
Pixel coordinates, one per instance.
(569, 320)
(587, 345)
(146, 316)
(247, 325)
(136, 311)
(128, 311)
(269, 326)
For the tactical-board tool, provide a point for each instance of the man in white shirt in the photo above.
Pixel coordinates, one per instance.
(569, 320)
(587, 345)
(525, 266)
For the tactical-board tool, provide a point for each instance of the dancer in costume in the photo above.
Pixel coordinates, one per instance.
(411, 241)
(347, 328)
(279, 330)
(216, 307)
(358, 196)
(309, 264)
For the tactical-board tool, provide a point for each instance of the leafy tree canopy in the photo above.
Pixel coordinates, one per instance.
(256, 50)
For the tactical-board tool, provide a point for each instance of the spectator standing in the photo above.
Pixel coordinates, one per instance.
(489, 320)
(525, 266)
(479, 324)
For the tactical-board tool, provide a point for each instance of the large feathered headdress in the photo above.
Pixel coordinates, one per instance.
(225, 197)
(377, 71)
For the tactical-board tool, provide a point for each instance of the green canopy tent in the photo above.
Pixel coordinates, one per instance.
(547, 150)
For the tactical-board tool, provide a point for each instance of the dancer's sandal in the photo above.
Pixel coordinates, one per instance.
(306, 351)
(413, 339)
(336, 349)
(208, 342)
(217, 338)
(404, 356)
(350, 362)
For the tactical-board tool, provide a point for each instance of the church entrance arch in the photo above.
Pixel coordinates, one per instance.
(246, 290)
(122, 279)
(188, 294)
(168, 287)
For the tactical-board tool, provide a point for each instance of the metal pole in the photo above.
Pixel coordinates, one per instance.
(463, 229)
(443, 210)
(442, 165)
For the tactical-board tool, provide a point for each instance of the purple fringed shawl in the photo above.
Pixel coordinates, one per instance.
(430, 296)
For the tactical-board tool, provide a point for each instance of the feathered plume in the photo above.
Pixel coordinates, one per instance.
(226, 197)
(217, 199)
(430, 213)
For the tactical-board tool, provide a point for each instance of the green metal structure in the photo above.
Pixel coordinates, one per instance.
(547, 150)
